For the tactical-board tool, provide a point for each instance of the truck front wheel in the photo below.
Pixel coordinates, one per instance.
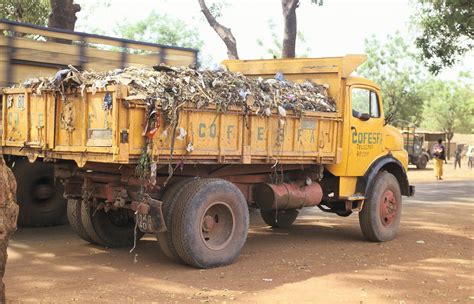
(381, 213)
(210, 223)
(279, 219)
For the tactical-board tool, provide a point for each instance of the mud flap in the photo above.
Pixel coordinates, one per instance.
(150, 216)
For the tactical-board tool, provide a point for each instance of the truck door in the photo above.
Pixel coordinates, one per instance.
(366, 129)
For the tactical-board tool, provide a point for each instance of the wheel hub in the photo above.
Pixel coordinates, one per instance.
(217, 225)
(208, 223)
(388, 208)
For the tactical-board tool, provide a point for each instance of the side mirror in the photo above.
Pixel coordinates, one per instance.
(360, 115)
(364, 116)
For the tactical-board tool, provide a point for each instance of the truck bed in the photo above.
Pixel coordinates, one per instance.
(81, 130)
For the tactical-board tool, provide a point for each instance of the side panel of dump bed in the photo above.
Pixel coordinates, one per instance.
(105, 127)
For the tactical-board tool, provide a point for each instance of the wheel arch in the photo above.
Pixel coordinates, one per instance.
(386, 163)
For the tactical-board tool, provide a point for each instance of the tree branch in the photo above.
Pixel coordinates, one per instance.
(224, 33)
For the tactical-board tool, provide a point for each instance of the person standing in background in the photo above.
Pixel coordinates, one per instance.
(439, 157)
(457, 157)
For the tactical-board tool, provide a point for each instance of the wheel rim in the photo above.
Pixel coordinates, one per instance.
(217, 225)
(388, 208)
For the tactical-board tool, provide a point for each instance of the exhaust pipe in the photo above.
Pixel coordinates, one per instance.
(287, 196)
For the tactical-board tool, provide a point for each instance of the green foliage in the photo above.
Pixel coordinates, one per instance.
(447, 31)
(450, 105)
(393, 66)
(29, 11)
(216, 8)
(273, 47)
(160, 28)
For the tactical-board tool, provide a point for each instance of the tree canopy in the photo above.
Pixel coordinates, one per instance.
(28, 11)
(447, 31)
(393, 66)
(449, 106)
(161, 28)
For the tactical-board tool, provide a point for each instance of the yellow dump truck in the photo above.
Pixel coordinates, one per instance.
(33, 51)
(344, 161)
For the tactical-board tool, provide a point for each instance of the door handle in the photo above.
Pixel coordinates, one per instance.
(354, 128)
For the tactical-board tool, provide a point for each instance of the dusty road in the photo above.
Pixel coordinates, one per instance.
(322, 258)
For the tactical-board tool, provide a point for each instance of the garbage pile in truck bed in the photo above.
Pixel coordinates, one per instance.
(171, 88)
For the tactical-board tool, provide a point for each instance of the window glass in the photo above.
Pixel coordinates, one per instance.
(360, 101)
(374, 105)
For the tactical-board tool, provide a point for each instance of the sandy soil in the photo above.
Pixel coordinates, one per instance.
(321, 259)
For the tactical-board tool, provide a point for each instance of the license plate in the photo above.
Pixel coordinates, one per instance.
(152, 222)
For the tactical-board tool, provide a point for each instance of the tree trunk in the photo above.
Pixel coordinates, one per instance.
(63, 16)
(289, 35)
(223, 32)
(449, 135)
(8, 217)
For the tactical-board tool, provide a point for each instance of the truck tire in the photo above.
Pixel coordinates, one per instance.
(210, 223)
(86, 219)
(169, 199)
(380, 216)
(75, 220)
(281, 219)
(39, 196)
(114, 228)
(422, 162)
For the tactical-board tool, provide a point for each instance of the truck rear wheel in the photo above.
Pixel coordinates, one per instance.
(115, 228)
(279, 219)
(40, 197)
(422, 162)
(169, 203)
(75, 220)
(210, 223)
(381, 213)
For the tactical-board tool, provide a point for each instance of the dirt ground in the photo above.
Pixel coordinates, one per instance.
(323, 258)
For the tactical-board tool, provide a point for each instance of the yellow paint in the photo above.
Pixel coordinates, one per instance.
(347, 185)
